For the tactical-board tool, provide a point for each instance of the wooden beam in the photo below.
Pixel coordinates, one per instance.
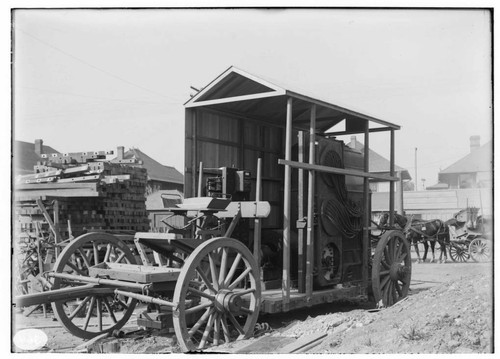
(391, 184)
(342, 133)
(235, 99)
(286, 208)
(310, 205)
(335, 170)
(341, 109)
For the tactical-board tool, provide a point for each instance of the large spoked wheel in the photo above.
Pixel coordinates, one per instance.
(99, 312)
(479, 250)
(459, 252)
(391, 269)
(217, 295)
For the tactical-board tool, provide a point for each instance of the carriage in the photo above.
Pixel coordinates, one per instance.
(237, 256)
(470, 236)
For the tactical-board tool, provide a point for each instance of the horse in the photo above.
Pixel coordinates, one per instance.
(420, 231)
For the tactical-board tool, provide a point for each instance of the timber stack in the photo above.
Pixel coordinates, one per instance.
(92, 193)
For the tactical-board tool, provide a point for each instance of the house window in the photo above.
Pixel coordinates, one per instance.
(466, 180)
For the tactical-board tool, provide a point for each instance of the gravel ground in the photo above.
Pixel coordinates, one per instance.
(449, 310)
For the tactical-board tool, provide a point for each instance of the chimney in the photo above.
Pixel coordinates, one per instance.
(352, 144)
(474, 143)
(39, 147)
(120, 152)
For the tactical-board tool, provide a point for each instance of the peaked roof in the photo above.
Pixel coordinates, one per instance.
(479, 160)
(378, 163)
(240, 92)
(25, 157)
(156, 171)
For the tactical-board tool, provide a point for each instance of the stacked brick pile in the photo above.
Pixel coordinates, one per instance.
(91, 194)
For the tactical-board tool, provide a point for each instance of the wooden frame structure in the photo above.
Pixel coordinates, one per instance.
(240, 120)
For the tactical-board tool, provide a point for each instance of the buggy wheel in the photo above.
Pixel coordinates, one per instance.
(391, 270)
(217, 295)
(94, 314)
(479, 250)
(459, 252)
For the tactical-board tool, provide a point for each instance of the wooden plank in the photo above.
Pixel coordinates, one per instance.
(301, 343)
(336, 170)
(257, 224)
(300, 182)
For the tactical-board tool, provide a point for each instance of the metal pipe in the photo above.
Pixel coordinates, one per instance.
(310, 206)
(145, 298)
(111, 282)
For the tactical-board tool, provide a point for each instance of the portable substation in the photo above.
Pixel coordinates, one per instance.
(249, 139)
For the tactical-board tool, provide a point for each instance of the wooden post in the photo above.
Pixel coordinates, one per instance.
(391, 183)
(399, 193)
(57, 234)
(366, 195)
(310, 206)
(194, 153)
(300, 181)
(257, 224)
(286, 208)
(200, 179)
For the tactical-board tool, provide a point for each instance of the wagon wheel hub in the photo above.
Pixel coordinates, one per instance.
(398, 271)
(226, 300)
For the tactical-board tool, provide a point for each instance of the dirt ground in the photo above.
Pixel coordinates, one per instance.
(449, 310)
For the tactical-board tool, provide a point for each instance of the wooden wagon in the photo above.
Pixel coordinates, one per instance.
(308, 243)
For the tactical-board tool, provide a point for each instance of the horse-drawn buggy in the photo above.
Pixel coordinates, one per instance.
(466, 235)
(236, 256)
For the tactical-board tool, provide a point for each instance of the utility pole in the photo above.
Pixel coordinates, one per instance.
(416, 177)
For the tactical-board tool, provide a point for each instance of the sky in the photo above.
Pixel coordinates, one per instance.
(92, 80)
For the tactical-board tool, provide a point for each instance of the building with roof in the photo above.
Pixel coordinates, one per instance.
(160, 177)
(380, 165)
(472, 171)
(26, 155)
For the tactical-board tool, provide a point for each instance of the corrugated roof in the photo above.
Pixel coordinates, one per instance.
(378, 163)
(25, 158)
(479, 160)
(156, 171)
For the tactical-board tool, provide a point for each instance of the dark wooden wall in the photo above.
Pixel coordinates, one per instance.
(224, 140)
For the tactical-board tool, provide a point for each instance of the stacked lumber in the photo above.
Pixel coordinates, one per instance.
(92, 193)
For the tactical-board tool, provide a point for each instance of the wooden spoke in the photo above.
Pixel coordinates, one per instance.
(99, 313)
(201, 294)
(206, 281)
(223, 266)
(246, 310)
(232, 271)
(243, 292)
(120, 257)
(89, 313)
(207, 331)
(108, 253)
(213, 272)
(80, 306)
(225, 329)
(75, 268)
(216, 329)
(198, 308)
(240, 278)
(110, 311)
(200, 321)
(235, 323)
(84, 257)
(96, 253)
